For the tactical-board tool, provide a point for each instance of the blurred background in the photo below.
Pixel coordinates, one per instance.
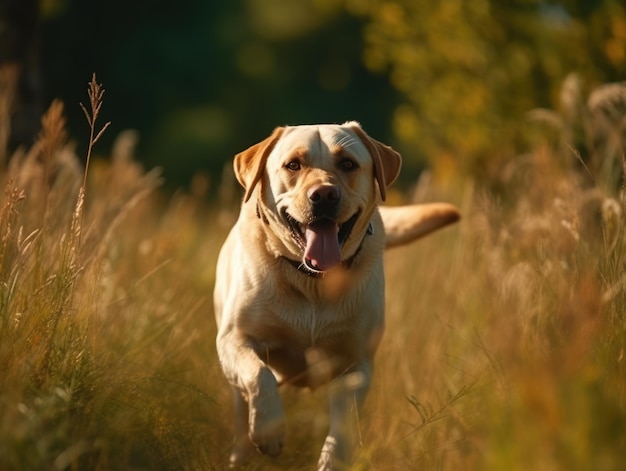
(450, 84)
(515, 317)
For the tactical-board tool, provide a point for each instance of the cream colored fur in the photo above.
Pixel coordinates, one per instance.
(279, 324)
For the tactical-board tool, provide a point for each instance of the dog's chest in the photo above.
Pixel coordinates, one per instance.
(308, 314)
(314, 324)
(308, 346)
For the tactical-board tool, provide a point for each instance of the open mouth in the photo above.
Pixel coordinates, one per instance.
(321, 240)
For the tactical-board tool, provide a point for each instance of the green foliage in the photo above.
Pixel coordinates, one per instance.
(448, 83)
(206, 81)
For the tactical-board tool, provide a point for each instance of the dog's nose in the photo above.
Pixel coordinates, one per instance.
(324, 195)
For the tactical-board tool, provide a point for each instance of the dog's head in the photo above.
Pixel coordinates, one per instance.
(320, 185)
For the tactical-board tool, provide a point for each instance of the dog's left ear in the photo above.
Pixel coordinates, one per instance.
(387, 162)
(250, 164)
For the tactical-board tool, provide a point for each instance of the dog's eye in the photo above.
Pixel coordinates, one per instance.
(293, 165)
(348, 165)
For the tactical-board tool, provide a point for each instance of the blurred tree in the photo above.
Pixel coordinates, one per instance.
(471, 70)
(20, 72)
(205, 80)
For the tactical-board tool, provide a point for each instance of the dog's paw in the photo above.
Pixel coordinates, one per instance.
(267, 425)
(243, 452)
(267, 418)
(269, 436)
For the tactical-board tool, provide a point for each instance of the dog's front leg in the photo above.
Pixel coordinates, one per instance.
(258, 387)
(347, 394)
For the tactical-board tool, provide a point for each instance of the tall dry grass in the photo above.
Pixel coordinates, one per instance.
(505, 336)
(105, 332)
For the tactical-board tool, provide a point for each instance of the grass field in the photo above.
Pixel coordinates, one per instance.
(504, 347)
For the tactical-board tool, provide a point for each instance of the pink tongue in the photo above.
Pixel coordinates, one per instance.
(322, 246)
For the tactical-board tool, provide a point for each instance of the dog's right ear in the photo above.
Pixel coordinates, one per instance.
(250, 164)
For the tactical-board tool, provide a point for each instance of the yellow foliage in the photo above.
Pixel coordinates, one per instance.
(471, 69)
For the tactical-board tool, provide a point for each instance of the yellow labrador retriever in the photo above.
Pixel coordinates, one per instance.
(299, 296)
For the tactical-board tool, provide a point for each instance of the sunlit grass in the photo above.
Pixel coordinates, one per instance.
(105, 326)
(504, 346)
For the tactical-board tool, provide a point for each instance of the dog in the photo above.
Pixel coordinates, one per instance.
(299, 293)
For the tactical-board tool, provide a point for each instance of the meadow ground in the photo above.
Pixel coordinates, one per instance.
(504, 346)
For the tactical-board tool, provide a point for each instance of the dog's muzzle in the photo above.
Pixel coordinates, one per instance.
(321, 239)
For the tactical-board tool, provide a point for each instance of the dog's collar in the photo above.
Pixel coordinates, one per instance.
(347, 264)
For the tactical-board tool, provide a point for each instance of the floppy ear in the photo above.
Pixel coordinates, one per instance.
(387, 162)
(250, 164)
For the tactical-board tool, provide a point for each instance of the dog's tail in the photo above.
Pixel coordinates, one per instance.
(404, 224)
